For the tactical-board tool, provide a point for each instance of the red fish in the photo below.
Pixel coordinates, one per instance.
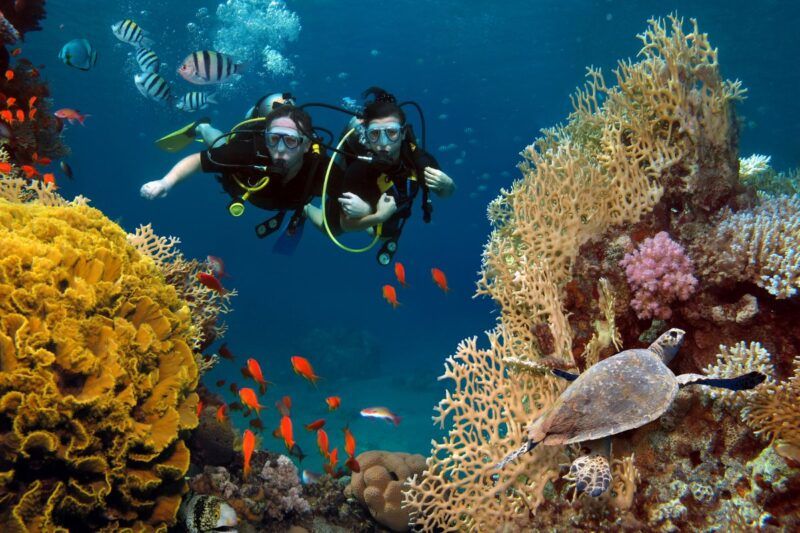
(255, 372)
(400, 272)
(199, 407)
(49, 178)
(16, 51)
(29, 171)
(220, 382)
(333, 402)
(32, 100)
(315, 425)
(303, 368)
(440, 279)
(10, 102)
(282, 409)
(350, 449)
(287, 433)
(250, 399)
(287, 401)
(322, 443)
(209, 281)
(9, 75)
(6, 115)
(43, 161)
(234, 388)
(257, 424)
(31, 113)
(5, 168)
(221, 413)
(71, 115)
(225, 352)
(330, 467)
(390, 295)
(20, 115)
(248, 445)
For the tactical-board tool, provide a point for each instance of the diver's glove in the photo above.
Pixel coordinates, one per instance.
(439, 182)
(154, 189)
(353, 206)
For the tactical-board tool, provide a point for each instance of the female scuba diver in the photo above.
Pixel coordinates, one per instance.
(275, 163)
(378, 194)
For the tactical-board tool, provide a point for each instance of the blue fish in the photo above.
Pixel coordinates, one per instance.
(78, 53)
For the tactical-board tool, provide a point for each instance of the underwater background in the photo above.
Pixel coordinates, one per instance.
(487, 75)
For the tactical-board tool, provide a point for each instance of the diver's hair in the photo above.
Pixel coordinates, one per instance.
(268, 102)
(300, 117)
(383, 105)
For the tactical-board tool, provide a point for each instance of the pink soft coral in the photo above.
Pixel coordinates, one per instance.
(659, 273)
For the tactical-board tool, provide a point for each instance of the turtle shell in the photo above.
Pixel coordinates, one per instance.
(623, 392)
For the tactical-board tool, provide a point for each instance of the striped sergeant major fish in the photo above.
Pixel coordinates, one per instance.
(129, 32)
(147, 59)
(152, 86)
(195, 101)
(206, 67)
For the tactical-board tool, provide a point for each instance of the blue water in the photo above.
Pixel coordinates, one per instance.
(503, 70)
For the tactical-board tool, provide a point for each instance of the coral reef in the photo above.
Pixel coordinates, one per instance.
(654, 155)
(97, 371)
(380, 482)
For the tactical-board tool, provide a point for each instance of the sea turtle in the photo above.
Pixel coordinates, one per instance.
(623, 392)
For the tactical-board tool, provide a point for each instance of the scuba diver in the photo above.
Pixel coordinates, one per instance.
(201, 129)
(274, 162)
(378, 189)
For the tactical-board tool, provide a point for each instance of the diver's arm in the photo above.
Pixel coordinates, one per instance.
(385, 209)
(182, 170)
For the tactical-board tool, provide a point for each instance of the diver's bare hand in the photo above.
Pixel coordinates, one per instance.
(438, 181)
(353, 206)
(154, 189)
(386, 207)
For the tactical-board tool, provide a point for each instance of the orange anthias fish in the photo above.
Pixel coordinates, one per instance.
(330, 466)
(9, 75)
(350, 449)
(333, 402)
(225, 352)
(5, 168)
(283, 408)
(248, 445)
(208, 280)
(50, 178)
(322, 443)
(400, 272)
(390, 295)
(303, 368)
(29, 171)
(255, 371)
(315, 425)
(200, 407)
(250, 399)
(221, 413)
(287, 433)
(440, 279)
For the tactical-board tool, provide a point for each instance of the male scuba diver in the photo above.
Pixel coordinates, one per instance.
(378, 193)
(201, 129)
(272, 162)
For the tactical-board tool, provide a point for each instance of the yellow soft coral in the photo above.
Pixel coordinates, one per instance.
(96, 372)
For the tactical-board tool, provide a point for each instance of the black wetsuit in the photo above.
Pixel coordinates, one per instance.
(277, 194)
(370, 182)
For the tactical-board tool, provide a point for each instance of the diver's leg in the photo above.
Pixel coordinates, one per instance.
(209, 134)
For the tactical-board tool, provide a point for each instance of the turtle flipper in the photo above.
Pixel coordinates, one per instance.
(743, 382)
(569, 376)
(591, 474)
(522, 450)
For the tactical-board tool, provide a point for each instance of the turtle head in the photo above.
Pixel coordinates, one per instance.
(668, 344)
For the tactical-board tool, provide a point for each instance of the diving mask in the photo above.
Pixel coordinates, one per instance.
(291, 142)
(390, 132)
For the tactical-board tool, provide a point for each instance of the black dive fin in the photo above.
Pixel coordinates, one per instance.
(564, 374)
(744, 382)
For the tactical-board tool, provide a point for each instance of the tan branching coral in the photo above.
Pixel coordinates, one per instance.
(774, 413)
(737, 361)
(486, 413)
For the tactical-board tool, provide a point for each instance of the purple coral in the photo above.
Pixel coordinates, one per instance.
(659, 272)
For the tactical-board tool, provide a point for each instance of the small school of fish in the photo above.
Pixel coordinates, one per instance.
(389, 293)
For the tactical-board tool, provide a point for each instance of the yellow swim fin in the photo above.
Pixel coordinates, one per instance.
(180, 138)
